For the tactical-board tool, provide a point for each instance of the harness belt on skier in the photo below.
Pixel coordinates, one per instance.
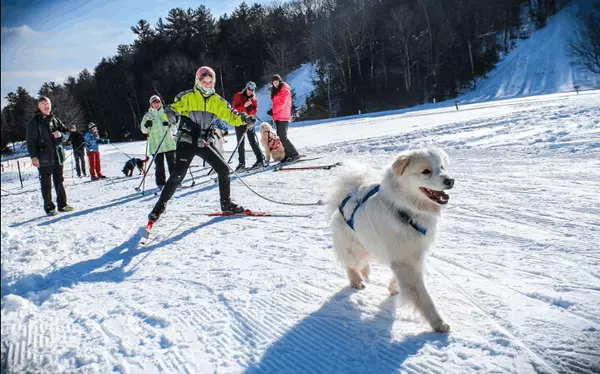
(402, 215)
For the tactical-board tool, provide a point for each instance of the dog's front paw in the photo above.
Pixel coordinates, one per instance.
(441, 327)
(393, 287)
(358, 285)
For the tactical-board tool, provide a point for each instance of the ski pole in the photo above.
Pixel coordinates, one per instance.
(145, 161)
(119, 149)
(192, 174)
(232, 153)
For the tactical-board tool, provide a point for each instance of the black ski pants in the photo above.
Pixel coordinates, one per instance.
(79, 162)
(184, 155)
(251, 136)
(49, 174)
(282, 129)
(160, 176)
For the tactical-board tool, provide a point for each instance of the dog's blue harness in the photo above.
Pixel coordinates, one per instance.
(403, 215)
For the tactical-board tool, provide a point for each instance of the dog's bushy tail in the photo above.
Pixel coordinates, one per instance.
(353, 176)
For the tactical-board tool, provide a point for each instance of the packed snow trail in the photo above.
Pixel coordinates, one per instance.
(515, 271)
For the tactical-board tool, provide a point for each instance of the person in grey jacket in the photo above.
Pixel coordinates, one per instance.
(45, 135)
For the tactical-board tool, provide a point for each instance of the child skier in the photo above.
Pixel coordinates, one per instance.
(197, 111)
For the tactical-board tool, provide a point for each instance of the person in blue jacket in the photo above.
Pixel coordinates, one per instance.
(93, 151)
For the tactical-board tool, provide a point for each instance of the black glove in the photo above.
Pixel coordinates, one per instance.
(250, 120)
(270, 112)
(165, 123)
(148, 124)
(225, 132)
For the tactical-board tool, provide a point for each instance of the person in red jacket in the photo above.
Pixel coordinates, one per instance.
(245, 102)
(281, 97)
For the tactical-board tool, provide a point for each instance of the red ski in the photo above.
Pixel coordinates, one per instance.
(249, 213)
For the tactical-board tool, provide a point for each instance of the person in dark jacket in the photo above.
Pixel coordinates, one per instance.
(45, 135)
(131, 165)
(78, 143)
(245, 102)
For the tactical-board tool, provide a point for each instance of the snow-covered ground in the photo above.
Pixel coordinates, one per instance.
(516, 271)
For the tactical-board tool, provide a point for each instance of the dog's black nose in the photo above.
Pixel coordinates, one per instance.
(449, 182)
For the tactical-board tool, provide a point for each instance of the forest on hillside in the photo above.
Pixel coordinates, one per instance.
(371, 55)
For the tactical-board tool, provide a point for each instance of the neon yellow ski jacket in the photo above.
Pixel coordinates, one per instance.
(199, 114)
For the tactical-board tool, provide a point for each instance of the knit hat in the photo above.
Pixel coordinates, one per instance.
(91, 125)
(200, 74)
(41, 99)
(251, 86)
(154, 98)
(276, 77)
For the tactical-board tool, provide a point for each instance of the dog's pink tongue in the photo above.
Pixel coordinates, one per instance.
(441, 196)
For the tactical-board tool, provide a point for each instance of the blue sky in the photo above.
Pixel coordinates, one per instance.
(46, 40)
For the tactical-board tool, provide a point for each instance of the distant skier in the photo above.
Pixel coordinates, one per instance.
(197, 110)
(93, 151)
(281, 97)
(155, 126)
(245, 102)
(78, 143)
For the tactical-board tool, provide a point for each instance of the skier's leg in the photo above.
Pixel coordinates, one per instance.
(239, 132)
(170, 155)
(46, 186)
(77, 160)
(222, 170)
(58, 179)
(185, 154)
(290, 150)
(92, 161)
(255, 147)
(160, 177)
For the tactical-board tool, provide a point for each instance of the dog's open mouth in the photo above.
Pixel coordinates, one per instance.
(439, 197)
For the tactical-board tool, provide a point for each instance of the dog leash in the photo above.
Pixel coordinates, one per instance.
(320, 202)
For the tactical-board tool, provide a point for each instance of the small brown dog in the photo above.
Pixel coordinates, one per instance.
(271, 143)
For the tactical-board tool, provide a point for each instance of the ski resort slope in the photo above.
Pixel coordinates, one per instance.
(515, 272)
(541, 64)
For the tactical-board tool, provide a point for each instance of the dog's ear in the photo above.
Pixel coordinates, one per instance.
(400, 164)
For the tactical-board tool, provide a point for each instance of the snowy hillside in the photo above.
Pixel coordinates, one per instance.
(515, 272)
(541, 64)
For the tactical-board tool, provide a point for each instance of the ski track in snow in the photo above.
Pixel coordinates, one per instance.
(515, 272)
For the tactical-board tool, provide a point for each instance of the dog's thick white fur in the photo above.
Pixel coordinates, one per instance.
(218, 141)
(266, 132)
(413, 183)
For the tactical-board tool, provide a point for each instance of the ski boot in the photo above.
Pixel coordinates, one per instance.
(158, 210)
(257, 164)
(230, 207)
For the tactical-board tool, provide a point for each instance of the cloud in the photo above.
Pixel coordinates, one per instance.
(31, 57)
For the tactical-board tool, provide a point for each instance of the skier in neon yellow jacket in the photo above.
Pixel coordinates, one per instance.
(154, 125)
(197, 111)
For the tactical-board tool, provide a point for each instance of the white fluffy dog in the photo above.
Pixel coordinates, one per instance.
(393, 220)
